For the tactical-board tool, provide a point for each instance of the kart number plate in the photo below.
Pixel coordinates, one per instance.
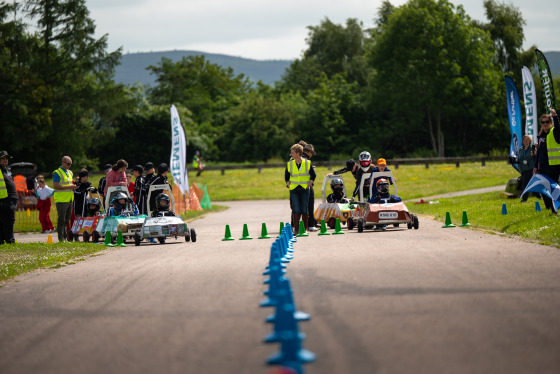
(388, 215)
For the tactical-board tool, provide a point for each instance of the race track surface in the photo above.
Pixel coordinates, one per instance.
(431, 300)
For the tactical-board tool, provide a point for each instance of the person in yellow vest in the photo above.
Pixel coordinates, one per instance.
(547, 160)
(63, 196)
(197, 163)
(8, 201)
(299, 177)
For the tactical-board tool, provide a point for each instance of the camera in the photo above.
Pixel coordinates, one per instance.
(532, 147)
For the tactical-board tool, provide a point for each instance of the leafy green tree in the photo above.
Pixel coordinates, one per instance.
(435, 75)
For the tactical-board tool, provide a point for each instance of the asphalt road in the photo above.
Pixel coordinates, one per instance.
(431, 300)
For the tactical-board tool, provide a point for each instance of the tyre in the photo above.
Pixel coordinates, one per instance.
(396, 224)
(137, 239)
(415, 223)
(409, 224)
(193, 235)
(360, 224)
(350, 224)
(95, 237)
(161, 240)
(86, 236)
(332, 222)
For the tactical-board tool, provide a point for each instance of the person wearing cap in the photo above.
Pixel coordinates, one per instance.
(308, 152)
(63, 196)
(146, 181)
(381, 166)
(117, 175)
(137, 171)
(160, 178)
(103, 180)
(8, 201)
(197, 163)
(80, 193)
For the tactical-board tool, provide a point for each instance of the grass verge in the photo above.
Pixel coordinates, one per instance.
(484, 212)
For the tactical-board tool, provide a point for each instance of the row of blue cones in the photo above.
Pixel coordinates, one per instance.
(285, 321)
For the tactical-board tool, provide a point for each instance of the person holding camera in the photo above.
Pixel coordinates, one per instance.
(526, 163)
(547, 159)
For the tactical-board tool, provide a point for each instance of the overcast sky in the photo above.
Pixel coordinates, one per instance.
(268, 29)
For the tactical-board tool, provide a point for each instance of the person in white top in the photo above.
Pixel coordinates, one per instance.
(43, 194)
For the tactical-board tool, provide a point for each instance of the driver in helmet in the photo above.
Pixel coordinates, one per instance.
(337, 195)
(119, 205)
(93, 207)
(383, 196)
(365, 167)
(163, 203)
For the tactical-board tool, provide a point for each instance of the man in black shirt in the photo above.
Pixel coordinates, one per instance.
(8, 201)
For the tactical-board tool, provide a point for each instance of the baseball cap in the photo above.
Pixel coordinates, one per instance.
(107, 167)
(148, 166)
(4, 154)
(381, 161)
(309, 149)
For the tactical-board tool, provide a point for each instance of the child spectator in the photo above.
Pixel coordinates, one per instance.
(43, 194)
(130, 185)
(337, 195)
(138, 170)
(103, 180)
(145, 186)
(80, 193)
(116, 176)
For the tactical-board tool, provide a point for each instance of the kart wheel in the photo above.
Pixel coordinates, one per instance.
(396, 224)
(161, 240)
(137, 240)
(193, 235)
(409, 224)
(187, 237)
(360, 224)
(350, 224)
(95, 237)
(415, 223)
(69, 236)
(86, 236)
(332, 222)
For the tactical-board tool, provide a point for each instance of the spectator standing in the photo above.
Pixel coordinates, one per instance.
(547, 160)
(299, 177)
(138, 170)
(526, 163)
(80, 193)
(63, 196)
(43, 194)
(103, 180)
(197, 163)
(116, 176)
(146, 182)
(308, 152)
(130, 185)
(8, 201)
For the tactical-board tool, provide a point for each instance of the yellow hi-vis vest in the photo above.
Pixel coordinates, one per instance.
(3, 189)
(553, 149)
(299, 177)
(64, 196)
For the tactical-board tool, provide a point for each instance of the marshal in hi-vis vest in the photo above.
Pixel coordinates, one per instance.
(3, 189)
(553, 149)
(299, 177)
(64, 196)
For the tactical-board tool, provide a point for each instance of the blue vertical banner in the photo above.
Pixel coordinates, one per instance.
(514, 116)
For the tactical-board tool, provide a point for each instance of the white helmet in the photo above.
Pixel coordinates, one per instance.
(365, 160)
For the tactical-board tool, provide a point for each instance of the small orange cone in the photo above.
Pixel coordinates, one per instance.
(49, 239)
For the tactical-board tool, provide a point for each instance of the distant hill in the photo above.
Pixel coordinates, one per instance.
(133, 66)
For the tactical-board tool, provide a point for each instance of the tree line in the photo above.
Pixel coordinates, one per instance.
(426, 80)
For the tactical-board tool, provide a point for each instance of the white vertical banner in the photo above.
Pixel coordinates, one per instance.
(178, 160)
(530, 100)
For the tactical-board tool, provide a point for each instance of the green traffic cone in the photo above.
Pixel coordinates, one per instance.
(324, 228)
(465, 219)
(264, 233)
(302, 231)
(245, 233)
(281, 228)
(108, 239)
(337, 228)
(228, 234)
(448, 221)
(120, 240)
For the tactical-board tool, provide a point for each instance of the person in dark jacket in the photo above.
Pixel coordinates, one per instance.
(160, 178)
(146, 182)
(524, 158)
(138, 170)
(80, 193)
(547, 161)
(103, 180)
(308, 152)
(8, 201)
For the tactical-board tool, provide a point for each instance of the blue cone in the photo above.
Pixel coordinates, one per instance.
(291, 350)
(504, 209)
(298, 315)
(291, 236)
(537, 206)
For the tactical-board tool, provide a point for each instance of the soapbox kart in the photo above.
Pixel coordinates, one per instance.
(331, 211)
(163, 226)
(85, 226)
(371, 215)
(127, 223)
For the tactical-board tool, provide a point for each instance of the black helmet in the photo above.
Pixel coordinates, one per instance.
(94, 201)
(159, 202)
(382, 186)
(118, 196)
(337, 182)
(365, 160)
